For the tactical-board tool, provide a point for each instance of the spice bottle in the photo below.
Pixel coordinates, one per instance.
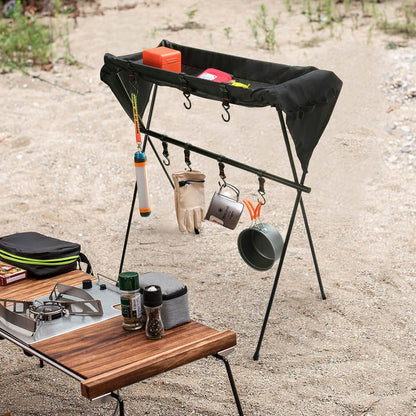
(152, 301)
(130, 300)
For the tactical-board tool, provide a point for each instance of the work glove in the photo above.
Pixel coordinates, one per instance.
(189, 199)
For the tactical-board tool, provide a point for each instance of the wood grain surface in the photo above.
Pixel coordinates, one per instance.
(29, 289)
(107, 356)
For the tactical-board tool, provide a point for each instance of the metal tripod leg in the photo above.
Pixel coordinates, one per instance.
(126, 238)
(305, 220)
(279, 269)
(231, 379)
(315, 261)
(276, 279)
(298, 202)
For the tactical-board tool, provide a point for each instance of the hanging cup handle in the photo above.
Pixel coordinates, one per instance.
(228, 185)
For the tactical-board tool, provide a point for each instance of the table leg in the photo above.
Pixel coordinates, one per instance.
(231, 379)
(120, 402)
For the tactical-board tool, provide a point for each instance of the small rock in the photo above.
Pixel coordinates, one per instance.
(405, 149)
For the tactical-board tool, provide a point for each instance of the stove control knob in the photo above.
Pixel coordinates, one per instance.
(87, 284)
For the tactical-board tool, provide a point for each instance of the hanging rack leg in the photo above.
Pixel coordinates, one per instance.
(146, 139)
(126, 238)
(276, 279)
(315, 261)
(295, 177)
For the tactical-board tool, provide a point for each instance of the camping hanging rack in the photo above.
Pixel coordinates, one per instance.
(307, 95)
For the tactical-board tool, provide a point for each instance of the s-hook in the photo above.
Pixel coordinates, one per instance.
(165, 153)
(226, 106)
(187, 94)
(261, 190)
(222, 174)
(187, 158)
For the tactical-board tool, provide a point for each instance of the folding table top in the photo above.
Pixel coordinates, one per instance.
(307, 95)
(109, 357)
(106, 357)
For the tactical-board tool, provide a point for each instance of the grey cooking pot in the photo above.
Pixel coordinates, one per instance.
(260, 246)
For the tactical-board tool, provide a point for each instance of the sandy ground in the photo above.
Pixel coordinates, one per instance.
(67, 171)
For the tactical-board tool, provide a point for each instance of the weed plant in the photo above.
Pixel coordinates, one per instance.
(24, 41)
(191, 23)
(261, 27)
(406, 25)
(325, 13)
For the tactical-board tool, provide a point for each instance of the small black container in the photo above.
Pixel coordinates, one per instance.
(152, 302)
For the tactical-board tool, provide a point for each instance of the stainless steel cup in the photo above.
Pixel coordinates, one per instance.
(225, 210)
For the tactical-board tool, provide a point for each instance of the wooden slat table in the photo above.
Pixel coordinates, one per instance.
(105, 357)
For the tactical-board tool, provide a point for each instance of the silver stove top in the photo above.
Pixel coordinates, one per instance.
(110, 301)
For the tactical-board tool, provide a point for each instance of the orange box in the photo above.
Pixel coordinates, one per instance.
(163, 57)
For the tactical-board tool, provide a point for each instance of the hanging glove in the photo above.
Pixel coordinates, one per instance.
(189, 199)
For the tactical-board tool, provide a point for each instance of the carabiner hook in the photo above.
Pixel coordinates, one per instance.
(187, 94)
(226, 106)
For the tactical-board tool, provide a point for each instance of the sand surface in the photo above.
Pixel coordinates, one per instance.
(67, 171)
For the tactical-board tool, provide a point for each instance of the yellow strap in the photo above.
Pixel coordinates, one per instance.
(136, 117)
(41, 262)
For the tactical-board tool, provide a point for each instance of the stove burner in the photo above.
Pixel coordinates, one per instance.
(63, 301)
(48, 311)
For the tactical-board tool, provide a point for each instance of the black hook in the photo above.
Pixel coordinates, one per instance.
(187, 94)
(261, 190)
(187, 158)
(226, 106)
(222, 174)
(165, 153)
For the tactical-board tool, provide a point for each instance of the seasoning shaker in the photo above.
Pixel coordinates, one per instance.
(130, 300)
(152, 302)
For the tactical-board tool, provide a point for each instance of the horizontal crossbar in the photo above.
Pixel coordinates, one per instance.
(226, 160)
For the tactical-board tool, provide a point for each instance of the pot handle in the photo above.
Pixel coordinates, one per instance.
(254, 212)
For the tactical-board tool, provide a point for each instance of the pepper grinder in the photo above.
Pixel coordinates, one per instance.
(152, 302)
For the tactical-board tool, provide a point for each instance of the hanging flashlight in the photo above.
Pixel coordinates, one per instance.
(140, 163)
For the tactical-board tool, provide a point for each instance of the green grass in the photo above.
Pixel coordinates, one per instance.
(24, 41)
(327, 13)
(404, 24)
(263, 29)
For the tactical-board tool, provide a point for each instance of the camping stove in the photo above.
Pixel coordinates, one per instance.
(46, 311)
(65, 309)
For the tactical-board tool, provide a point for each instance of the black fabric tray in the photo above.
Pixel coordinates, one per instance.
(306, 95)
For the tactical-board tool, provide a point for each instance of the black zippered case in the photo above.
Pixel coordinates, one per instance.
(41, 256)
